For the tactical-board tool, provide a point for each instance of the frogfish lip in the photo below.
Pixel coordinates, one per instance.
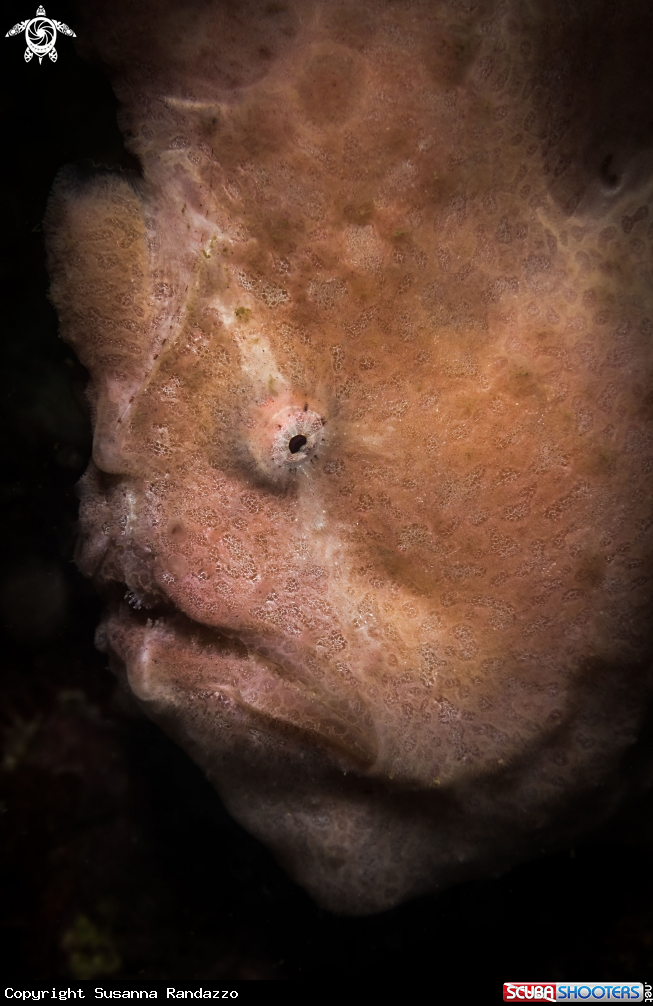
(172, 660)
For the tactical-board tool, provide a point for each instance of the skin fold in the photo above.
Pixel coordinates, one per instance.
(369, 345)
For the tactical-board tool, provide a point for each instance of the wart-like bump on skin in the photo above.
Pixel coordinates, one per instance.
(369, 345)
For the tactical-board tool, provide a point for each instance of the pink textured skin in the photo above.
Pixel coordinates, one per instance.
(416, 649)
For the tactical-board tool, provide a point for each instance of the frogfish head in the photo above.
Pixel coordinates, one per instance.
(370, 345)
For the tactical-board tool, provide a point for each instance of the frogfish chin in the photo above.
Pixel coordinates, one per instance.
(369, 343)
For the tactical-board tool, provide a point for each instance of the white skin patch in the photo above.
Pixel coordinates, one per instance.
(259, 365)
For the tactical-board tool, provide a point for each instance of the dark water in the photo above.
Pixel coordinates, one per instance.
(117, 858)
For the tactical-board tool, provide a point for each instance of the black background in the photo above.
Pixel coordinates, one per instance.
(118, 860)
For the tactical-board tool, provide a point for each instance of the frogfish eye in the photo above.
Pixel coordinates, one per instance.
(287, 441)
(296, 443)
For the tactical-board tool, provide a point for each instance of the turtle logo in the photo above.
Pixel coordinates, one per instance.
(40, 35)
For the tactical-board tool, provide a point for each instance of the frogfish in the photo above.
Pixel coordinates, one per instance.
(369, 343)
